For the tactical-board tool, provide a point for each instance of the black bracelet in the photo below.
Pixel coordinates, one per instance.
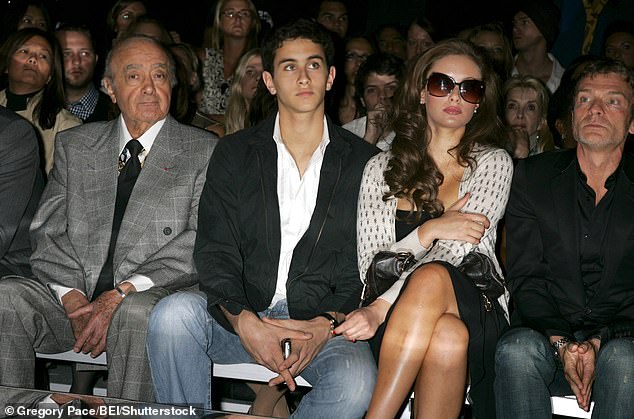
(333, 322)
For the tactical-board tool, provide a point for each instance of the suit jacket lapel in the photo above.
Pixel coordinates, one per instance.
(100, 189)
(156, 177)
(563, 190)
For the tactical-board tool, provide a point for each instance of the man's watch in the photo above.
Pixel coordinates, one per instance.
(560, 343)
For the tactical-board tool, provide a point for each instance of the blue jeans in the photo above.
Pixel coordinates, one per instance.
(184, 340)
(527, 374)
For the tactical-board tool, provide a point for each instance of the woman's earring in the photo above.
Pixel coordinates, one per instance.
(475, 111)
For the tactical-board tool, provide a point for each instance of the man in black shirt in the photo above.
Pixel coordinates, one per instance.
(571, 262)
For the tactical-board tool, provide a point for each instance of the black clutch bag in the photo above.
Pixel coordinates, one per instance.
(480, 269)
(386, 268)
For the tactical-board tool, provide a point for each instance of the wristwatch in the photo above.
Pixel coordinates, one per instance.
(560, 343)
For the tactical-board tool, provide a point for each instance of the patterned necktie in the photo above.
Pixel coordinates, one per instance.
(125, 184)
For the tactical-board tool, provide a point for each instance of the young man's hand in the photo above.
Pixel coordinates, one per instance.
(261, 339)
(304, 351)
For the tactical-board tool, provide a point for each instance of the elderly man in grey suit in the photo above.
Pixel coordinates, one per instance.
(114, 232)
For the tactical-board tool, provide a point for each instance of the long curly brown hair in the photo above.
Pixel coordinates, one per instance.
(412, 174)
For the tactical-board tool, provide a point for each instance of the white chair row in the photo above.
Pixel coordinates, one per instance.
(563, 406)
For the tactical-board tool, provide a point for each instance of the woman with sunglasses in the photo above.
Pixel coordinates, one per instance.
(438, 193)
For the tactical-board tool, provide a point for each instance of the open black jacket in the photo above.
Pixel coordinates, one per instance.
(238, 244)
(544, 270)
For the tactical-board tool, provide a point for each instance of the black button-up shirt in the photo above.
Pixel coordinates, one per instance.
(592, 221)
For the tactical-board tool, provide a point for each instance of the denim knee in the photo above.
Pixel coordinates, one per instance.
(358, 378)
(615, 363)
(617, 355)
(177, 313)
(343, 375)
(614, 380)
(521, 350)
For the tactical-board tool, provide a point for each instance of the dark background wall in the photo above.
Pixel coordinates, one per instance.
(189, 17)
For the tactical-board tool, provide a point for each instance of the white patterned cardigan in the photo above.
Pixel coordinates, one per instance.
(489, 186)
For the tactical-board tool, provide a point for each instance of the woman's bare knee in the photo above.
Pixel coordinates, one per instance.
(450, 340)
(431, 277)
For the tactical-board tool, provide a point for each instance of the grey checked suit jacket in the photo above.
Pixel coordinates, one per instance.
(71, 229)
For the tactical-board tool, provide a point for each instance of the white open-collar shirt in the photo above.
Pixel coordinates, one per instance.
(296, 196)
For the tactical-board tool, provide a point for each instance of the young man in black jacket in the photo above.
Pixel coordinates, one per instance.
(276, 248)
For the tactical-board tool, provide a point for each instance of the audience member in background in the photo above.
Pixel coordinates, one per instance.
(276, 259)
(248, 74)
(570, 262)
(83, 99)
(235, 31)
(149, 26)
(439, 193)
(24, 14)
(115, 230)
(20, 15)
(33, 63)
(378, 79)
(358, 49)
(263, 105)
(559, 107)
(491, 38)
(419, 38)
(21, 184)
(619, 42)
(123, 13)
(525, 110)
(333, 15)
(535, 29)
(188, 90)
(390, 40)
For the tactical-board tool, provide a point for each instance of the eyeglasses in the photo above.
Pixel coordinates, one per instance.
(441, 85)
(234, 14)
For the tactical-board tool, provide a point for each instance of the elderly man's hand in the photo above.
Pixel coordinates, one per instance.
(72, 301)
(93, 337)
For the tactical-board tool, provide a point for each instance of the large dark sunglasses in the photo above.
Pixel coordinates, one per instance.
(441, 85)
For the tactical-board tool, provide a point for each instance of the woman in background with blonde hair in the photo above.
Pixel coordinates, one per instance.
(525, 110)
(245, 83)
(235, 30)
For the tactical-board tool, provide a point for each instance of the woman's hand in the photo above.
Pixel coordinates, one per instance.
(520, 143)
(454, 225)
(362, 323)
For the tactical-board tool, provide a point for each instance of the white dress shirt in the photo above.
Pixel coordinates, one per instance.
(296, 196)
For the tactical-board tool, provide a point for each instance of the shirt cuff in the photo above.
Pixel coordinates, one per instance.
(412, 244)
(140, 282)
(60, 291)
